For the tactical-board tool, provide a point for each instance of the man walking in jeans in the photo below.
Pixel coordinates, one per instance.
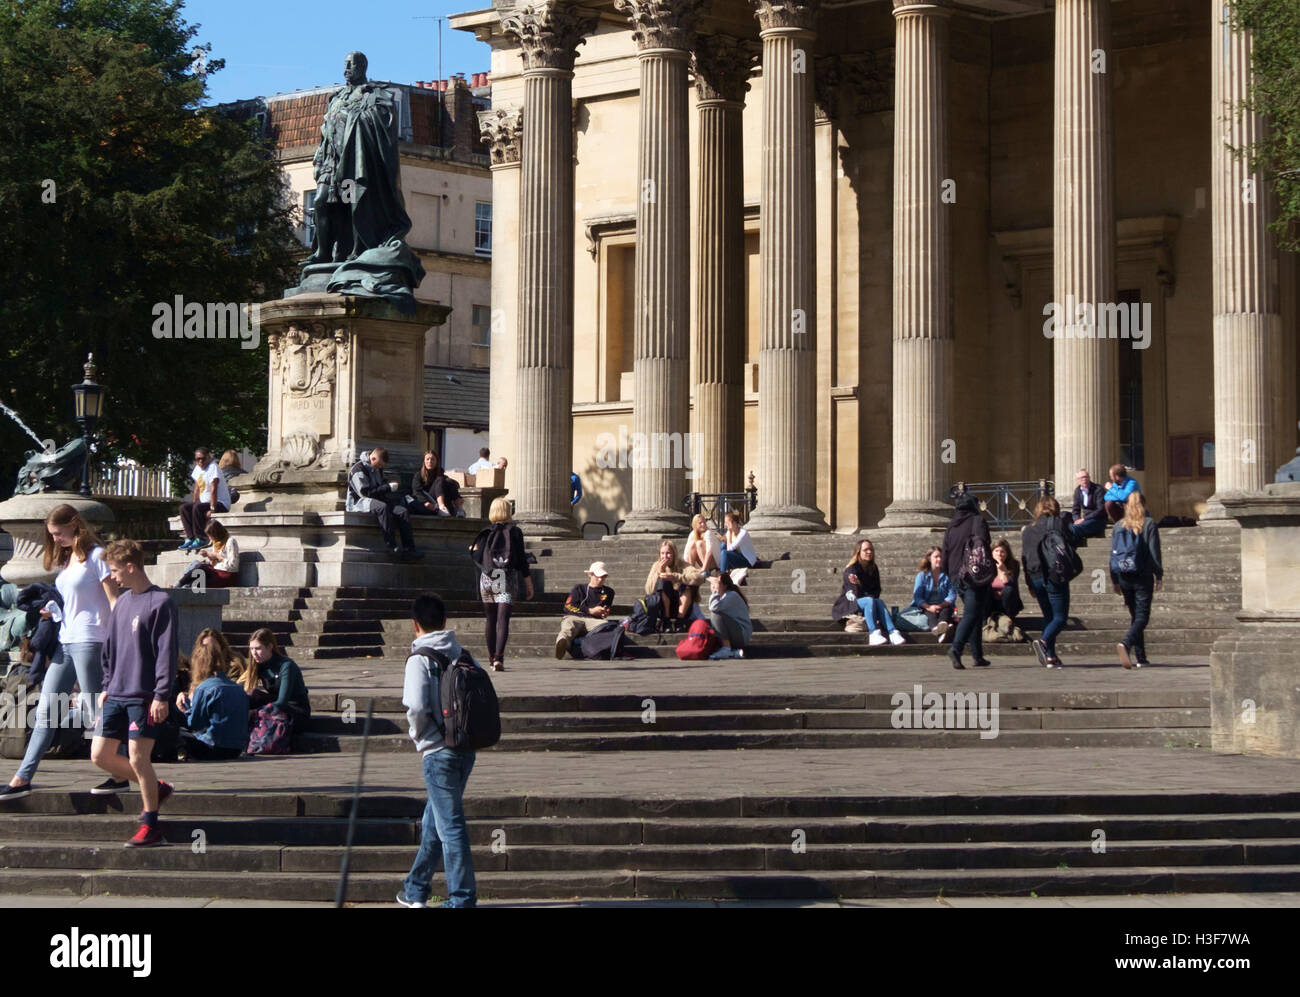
(446, 770)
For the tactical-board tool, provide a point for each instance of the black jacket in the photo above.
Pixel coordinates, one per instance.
(1097, 505)
(1032, 538)
(868, 584)
(964, 525)
(583, 598)
(1150, 539)
(44, 641)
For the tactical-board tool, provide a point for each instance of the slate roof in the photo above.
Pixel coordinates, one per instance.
(448, 404)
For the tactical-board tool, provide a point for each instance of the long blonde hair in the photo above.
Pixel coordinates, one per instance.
(83, 542)
(677, 561)
(1135, 512)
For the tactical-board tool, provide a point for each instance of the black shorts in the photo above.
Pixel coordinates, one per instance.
(122, 720)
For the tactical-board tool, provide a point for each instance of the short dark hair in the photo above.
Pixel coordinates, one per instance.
(381, 453)
(483, 452)
(429, 612)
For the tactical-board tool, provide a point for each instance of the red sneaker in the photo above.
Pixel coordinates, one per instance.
(165, 790)
(146, 837)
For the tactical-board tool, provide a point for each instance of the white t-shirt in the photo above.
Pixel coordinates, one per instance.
(479, 465)
(208, 475)
(744, 546)
(85, 606)
(229, 557)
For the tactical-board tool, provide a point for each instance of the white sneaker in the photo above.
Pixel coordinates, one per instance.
(896, 638)
(721, 654)
(876, 638)
(941, 628)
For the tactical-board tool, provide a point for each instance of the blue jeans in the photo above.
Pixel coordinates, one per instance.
(1054, 601)
(443, 833)
(875, 610)
(1088, 528)
(81, 663)
(1137, 594)
(733, 559)
(974, 608)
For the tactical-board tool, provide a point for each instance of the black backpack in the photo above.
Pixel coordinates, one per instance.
(471, 715)
(1061, 564)
(644, 620)
(491, 549)
(977, 567)
(18, 697)
(1127, 552)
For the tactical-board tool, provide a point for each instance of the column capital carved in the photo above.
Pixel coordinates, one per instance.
(722, 67)
(502, 129)
(548, 34)
(785, 14)
(662, 23)
(935, 7)
(850, 85)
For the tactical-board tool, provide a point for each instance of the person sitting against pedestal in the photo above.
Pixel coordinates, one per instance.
(860, 604)
(214, 710)
(211, 494)
(218, 566)
(1089, 512)
(1121, 487)
(421, 501)
(446, 492)
(933, 598)
(585, 602)
(369, 492)
(729, 615)
(230, 469)
(482, 464)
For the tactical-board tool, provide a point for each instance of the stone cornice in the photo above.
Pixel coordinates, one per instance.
(548, 34)
(502, 129)
(773, 14)
(722, 67)
(662, 23)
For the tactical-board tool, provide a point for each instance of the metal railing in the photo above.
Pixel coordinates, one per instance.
(714, 505)
(1005, 504)
(127, 479)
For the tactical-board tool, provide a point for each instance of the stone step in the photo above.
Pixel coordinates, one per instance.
(728, 740)
(372, 887)
(519, 858)
(582, 832)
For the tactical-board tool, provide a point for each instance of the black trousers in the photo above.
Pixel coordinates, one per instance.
(194, 517)
(975, 601)
(1137, 600)
(388, 510)
(496, 628)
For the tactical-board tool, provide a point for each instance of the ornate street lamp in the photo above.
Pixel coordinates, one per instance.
(89, 398)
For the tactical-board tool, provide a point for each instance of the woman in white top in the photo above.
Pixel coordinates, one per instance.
(740, 549)
(702, 548)
(88, 594)
(222, 568)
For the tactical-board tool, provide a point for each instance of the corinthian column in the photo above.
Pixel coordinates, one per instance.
(662, 31)
(548, 36)
(502, 130)
(1083, 243)
(787, 408)
(1247, 318)
(722, 67)
(922, 269)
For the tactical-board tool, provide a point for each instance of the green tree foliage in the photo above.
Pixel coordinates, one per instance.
(1275, 94)
(154, 197)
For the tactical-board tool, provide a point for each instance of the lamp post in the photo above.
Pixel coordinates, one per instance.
(89, 399)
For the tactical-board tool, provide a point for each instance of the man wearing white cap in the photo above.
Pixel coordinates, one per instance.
(590, 601)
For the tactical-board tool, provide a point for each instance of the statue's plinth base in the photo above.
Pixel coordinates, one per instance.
(315, 278)
(306, 549)
(1255, 670)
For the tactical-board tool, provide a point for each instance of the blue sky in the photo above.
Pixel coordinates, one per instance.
(273, 46)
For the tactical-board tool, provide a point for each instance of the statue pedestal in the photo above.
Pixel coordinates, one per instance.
(24, 516)
(346, 375)
(1255, 670)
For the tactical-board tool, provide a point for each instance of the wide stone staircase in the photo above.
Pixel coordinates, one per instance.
(611, 842)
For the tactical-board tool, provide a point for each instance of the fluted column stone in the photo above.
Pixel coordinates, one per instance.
(787, 408)
(1247, 319)
(548, 35)
(663, 31)
(1085, 356)
(922, 304)
(502, 130)
(722, 66)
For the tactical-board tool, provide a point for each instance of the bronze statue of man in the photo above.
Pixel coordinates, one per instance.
(361, 217)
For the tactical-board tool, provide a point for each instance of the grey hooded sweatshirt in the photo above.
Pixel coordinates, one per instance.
(421, 694)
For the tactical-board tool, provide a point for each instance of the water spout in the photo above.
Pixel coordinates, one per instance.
(43, 444)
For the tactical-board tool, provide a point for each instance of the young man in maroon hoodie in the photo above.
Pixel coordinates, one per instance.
(139, 679)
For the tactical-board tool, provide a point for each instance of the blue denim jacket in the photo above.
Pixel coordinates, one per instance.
(923, 591)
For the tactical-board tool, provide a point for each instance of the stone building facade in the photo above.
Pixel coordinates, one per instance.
(865, 249)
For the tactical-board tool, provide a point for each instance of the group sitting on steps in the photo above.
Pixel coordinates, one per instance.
(985, 576)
